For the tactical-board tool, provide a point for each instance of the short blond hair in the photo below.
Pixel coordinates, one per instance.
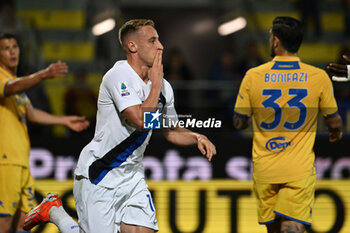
(132, 26)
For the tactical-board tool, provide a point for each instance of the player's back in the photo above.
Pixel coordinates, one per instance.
(285, 96)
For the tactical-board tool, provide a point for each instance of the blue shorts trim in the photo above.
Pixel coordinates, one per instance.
(4, 215)
(296, 220)
(265, 223)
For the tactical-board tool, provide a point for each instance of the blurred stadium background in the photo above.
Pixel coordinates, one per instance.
(205, 69)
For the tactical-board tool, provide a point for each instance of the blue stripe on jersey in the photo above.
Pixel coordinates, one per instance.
(115, 157)
(268, 222)
(285, 65)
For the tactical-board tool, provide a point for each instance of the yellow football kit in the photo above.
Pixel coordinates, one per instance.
(16, 181)
(284, 97)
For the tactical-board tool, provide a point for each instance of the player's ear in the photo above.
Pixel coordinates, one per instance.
(276, 42)
(132, 47)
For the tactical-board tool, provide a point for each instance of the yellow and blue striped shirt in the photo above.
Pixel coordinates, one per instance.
(284, 97)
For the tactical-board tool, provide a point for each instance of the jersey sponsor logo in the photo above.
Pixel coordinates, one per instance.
(123, 88)
(278, 144)
(151, 120)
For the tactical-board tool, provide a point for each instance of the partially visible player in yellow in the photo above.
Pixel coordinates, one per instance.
(16, 182)
(284, 97)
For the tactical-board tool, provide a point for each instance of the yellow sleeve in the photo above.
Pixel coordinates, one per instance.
(3, 82)
(243, 105)
(328, 104)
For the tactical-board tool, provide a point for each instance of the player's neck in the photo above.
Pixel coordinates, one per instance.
(283, 52)
(140, 69)
(12, 71)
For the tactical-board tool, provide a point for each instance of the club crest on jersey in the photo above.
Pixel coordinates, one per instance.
(123, 88)
(278, 144)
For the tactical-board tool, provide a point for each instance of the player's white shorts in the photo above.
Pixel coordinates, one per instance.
(103, 209)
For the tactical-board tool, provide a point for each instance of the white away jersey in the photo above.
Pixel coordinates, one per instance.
(114, 156)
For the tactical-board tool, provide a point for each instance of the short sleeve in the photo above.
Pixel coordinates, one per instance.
(123, 93)
(328, 104)
(243, 105)
(3, 83)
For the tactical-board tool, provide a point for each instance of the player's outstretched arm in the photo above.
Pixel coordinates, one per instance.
(335, 127)
(21, 84)
(184, 137)
(340, 72)
(76, 123)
